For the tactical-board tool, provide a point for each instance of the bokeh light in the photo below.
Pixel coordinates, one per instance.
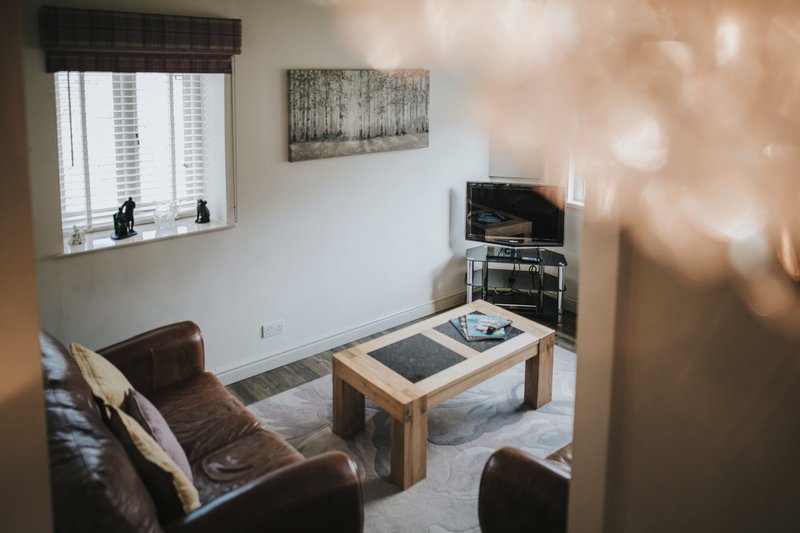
(683, 116)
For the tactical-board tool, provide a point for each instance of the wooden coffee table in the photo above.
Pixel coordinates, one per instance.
(411, 370)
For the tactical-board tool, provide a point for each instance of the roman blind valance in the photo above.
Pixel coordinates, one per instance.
(112, 41)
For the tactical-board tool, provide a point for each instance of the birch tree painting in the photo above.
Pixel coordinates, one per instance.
(334, 113)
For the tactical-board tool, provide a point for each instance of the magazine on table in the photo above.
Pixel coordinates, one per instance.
(460, 323)
(477, 326)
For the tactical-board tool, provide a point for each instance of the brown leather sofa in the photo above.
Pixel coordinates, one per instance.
(519, 492)
(248, 478)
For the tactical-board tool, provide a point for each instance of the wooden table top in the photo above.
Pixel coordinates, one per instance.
(478, 360)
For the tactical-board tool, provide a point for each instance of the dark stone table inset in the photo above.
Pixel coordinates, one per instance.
(417, 357)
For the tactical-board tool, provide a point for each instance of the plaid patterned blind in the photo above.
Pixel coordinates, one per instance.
(111, 41)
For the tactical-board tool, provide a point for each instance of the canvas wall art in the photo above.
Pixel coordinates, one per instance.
(334, 113)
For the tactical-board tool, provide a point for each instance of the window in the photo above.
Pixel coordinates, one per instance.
(576, 189)
(154, 137)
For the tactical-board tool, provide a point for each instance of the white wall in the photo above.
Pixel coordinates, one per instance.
(25, 501)
(594, 384)
(338, 247)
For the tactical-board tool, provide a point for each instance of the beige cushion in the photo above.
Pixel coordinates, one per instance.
(106, 381)
(172, 491)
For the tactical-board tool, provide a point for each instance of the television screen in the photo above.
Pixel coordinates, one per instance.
(515, 214)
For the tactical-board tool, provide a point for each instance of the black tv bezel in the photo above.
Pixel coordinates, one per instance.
(516, 242)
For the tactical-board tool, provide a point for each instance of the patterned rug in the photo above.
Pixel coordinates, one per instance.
(462, 433)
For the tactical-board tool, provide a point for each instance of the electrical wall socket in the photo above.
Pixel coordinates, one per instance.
(270, 329)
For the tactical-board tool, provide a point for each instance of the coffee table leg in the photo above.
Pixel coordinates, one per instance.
(348, 408)
(409, 451)
(539, 374)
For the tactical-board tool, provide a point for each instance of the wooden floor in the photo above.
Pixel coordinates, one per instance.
(269, 383)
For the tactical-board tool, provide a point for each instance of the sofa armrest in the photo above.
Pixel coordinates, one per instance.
(519, 492)
(320, 494)
(159, 357)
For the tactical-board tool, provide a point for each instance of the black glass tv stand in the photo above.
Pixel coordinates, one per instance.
(522, 279)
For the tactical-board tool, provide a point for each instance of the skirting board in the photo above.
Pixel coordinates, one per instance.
(270, 362)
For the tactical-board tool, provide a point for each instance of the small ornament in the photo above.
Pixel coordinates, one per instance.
(123, 228)
(203, 214)
(77, 237)
(128, 206)
(164, 213)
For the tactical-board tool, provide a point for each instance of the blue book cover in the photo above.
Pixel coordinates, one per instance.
(486, 326)
(460, 324)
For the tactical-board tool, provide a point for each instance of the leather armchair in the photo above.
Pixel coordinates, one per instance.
(289, 499)
(522, 493)
(248, 478)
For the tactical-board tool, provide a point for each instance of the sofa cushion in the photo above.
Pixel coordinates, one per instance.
(240, 462)
(227, 445)
(171, 490)
(106, 381)
(203, 415)
(94, 484)
(146, 414)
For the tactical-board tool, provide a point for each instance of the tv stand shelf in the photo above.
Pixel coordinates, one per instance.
(534, 283)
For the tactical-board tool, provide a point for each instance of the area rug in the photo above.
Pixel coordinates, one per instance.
(462, 433)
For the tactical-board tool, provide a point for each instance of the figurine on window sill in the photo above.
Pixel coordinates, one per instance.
(121, 230)
(77, 237)
(128, 206)
(203, 214)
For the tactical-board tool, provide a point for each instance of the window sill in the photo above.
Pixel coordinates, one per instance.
(101, 240)
(575, 205)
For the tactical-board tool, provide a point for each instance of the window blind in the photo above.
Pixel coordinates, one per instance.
(126, 135)
(111, 41)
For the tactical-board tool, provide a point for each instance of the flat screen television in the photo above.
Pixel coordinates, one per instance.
(515, 214)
